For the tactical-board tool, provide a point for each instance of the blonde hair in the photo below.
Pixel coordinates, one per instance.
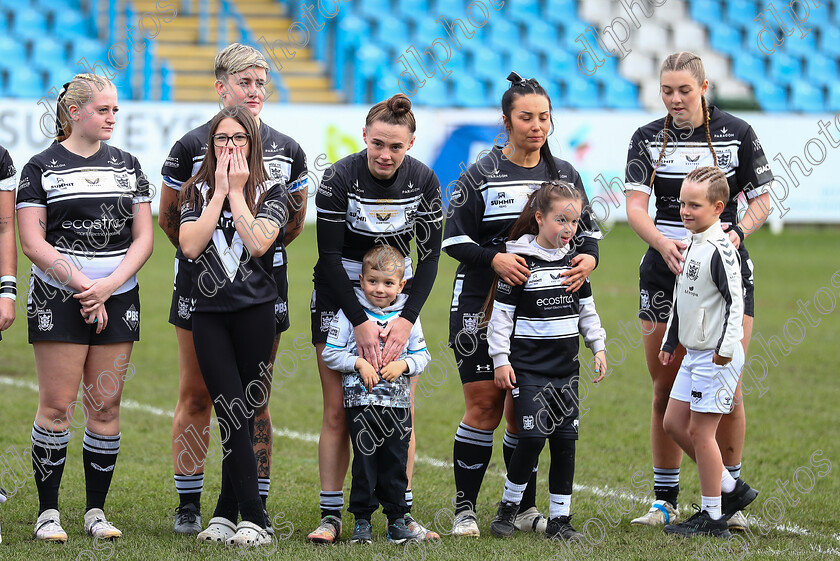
(384, 258)
(718, 189)
(690, 62)
(79, 92)
(237, 57)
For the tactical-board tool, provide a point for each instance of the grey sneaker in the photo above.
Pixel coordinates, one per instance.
(187, 519)
(362, 532)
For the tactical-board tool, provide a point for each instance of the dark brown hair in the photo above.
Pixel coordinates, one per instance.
(191, 192)
(395, 110)
(690, 62)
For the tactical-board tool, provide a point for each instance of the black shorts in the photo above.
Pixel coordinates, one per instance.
(471, 355)
(181, 307)
(324, 305)
(54, 315)
(550, 410)
(656, 286)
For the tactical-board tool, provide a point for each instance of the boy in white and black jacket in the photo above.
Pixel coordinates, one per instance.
(378, 403)
(706, 319)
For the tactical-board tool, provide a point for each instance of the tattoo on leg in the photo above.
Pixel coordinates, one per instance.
(262, 432)
(263, 467)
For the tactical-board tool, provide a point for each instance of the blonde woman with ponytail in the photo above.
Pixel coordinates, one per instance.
(85, 222)
(661, 154)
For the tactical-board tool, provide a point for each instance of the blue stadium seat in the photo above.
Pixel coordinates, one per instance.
(582, 94)
(771, 96)
(821, 69)
(489, 64)
(91, 49)
(741, 12)
(526, 63)
(833, 104)
(707, 12)
(470, 92)
(48, 51)
(28, 22)
(451, 9)
(806, 97)
(71, 23)
(14, 51)
(542, 35)
(620, 94)
(414, 8)
(560, 10)
(351, 33)
(802, 46)
(726, 39)
(373, 7)
(785, 68)
(427, 30)
(561, 63)
(502, 33)
(371, 63)
(25, 82)
(434, 93)
(524, 10)
(555, 93)
(393, 32)
(830, 41)
(749, 67)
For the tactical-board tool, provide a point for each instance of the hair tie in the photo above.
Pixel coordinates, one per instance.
(63, 91)
(515, 79)
(59, 129)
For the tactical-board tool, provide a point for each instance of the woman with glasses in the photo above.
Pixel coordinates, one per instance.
(231, 215)
(489, 197)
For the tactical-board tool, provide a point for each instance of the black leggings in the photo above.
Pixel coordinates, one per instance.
(231, 346)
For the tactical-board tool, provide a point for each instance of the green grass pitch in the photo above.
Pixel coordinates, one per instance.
(792, 453)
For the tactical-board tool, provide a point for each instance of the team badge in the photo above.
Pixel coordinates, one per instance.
(471, 323)
(528, 422)
(123, 181)
(275, 170)
(45, 320)
(644, 296)
(132, 318)
(326, 320)
(184, 311)
(696, 396)
(693, 270)
(724, 158)
(503, 287)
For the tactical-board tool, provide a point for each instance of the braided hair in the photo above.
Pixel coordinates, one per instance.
(519, 86)
(718, 189)
(690, 62)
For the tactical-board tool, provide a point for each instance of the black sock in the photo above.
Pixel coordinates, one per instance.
(471, 453)
(189, 488)
(666, 484)
(227, 506)
(529, 498)
(49, 452)
(252, 511)
(561, 475)
(99, 453)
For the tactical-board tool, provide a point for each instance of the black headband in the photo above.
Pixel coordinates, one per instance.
(59, 130)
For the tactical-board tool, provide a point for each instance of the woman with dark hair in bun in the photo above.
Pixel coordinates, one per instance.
(377, 196)
(488, 199)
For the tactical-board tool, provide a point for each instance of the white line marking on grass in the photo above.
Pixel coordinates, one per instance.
(310, 437)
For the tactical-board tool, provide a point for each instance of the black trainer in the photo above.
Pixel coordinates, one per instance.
(701, 524)
(362, 532)
(738, 499)
(187, 519)
(502, 525)
(399, 533)
(560, 529)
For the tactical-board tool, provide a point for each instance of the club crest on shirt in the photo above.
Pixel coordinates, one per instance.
(693, 270)
(471, 322)
(527, 422)
(326, 320)
(45, 320)
(122, 181)
(644, 296)
(275, 169)
(724, 158)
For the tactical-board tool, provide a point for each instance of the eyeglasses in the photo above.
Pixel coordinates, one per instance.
(239, 139)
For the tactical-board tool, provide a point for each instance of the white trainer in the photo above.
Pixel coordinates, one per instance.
(738, 522)
(660, 514)
(97, 526)
(218, 530)
(48, 527)
(530, 520)
(248, 534)
(465, 524)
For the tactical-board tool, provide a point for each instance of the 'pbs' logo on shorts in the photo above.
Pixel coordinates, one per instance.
(132, 318)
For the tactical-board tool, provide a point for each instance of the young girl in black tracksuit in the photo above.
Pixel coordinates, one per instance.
(231, 216)
(533, 341)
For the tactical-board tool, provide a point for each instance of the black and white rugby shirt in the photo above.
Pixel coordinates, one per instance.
(89, 206)
(356, 212)
(7, 171)
(739, 155)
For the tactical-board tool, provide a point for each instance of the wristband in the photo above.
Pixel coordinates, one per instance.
(8, 295)
(737, 230)
(8, 287)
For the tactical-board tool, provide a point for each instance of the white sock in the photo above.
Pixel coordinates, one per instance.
(727, 482)
(711, 505)
(513, 492)
(559, 505)
(735, 471)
